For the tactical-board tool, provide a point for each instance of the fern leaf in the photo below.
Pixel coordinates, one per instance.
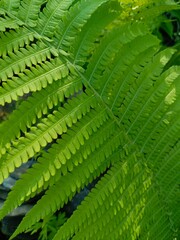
(165, 140)
(36, 106)
(156, 10)
(14, 40)
(64, 157)
(10, 5)
(169, 188)
(74, 20)
(8, 22)
(86, 148)
(106, 186)
(69, 184)
(159, 91)
(118, 68)
(167, 167)
(28, 11)
(51, 16)
(85, 41)
(109, 47)
(17, 62)
(151, 73)
(43, 134)
(31, 81)
(164, 119)
(97, 99)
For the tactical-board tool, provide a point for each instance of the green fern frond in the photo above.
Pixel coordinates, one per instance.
(73, 20)
(165, 140)
(118, 69)
(10, 6)
(140, 87)
(8, 22)
(96, 100)
(15, 39)
(51, 15)
(33, 80)
(64, 158)
(160, 90)
(29, 10)
(99, 199)
(84, 43)
(17, 62)
(45, 132)
(69, 184)
(36, 106)
(108, 49)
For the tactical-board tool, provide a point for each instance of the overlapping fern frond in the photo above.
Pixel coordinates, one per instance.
(96, 101)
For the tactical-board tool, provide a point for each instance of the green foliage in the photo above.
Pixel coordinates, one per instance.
(98, 99)
(49, 226)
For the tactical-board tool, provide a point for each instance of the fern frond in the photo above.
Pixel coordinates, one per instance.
(168, 179)
(64, 158)
(155, 218)
(109, 47)
(17, 62)
(168, 164)
(146, 47)
(8, 22)
(36, 106)
(97, 99)
(73, 20)
(160, 91)
(32, 80)
(29, 10)
(87, 147)
(84, 43)
(15, 39)
(165, 114)
(70, 184)
(10, 5)
(44, 133)
(151, 71)
(165, 140)
(51, 16)
(168, 184)
(99, 199)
